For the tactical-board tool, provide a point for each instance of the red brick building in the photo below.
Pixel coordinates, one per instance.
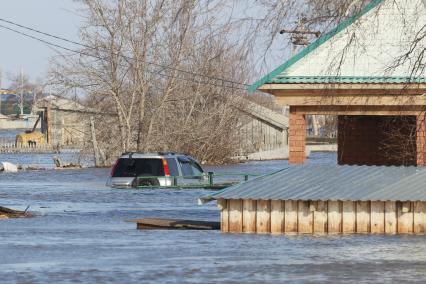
(368, 72)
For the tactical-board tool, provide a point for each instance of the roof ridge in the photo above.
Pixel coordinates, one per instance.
(324, 38)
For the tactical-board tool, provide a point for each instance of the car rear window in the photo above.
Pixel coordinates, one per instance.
(138, 167)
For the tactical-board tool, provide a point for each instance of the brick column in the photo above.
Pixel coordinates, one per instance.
(297, 138)
(421, 139)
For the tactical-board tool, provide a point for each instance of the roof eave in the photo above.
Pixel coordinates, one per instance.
(271, 87)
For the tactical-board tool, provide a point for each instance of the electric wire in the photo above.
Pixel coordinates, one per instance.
(223, 85)
(93, 48)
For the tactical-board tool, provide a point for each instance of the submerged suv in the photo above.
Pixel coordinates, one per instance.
(155, 169)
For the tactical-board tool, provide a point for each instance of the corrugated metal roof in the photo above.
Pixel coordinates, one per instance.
(344, 183)
(344, 80)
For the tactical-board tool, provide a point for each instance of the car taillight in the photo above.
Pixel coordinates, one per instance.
(114, 168)
(166, 168)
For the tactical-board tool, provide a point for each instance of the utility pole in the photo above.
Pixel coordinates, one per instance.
(22, 92)
(299, 37)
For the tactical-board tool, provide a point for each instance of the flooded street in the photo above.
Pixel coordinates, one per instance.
(81, 235)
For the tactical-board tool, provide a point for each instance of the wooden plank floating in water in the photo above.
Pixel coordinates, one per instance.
(173, 224)
(322, 217)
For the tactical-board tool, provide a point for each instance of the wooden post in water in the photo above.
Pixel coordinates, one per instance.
(235, 216)
(224, 216)
(334, 217)
(263, 217)
(290, 224)
(305, 218)
(419, 217)
(277, 217)
(348, 217)
(362, 217)
(320, 217)
(377, 217)
(249, 216)
(391, 220)
(405, 217)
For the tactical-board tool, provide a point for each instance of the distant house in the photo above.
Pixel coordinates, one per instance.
(64, 122)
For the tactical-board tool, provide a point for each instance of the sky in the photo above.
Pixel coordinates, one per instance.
(52, 16)
(59, 17)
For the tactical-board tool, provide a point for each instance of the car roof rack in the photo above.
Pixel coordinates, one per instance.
(168, 153)
(164, 153)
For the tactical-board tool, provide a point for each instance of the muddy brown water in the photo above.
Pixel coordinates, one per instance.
(81, 236)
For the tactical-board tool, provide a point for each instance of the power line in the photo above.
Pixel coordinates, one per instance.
(223, 85)
(93, 48)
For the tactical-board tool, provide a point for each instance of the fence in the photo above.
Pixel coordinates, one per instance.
(12, 148)
(208, 180)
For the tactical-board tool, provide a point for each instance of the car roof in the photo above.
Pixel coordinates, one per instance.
(157, 155)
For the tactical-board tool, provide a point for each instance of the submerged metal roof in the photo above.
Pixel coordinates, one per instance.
(343, 183)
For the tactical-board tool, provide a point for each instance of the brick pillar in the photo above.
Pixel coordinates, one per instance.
(421, 139)
(297, 138)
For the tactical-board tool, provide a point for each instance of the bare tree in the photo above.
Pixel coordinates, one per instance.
(23, 87)
(154, 65)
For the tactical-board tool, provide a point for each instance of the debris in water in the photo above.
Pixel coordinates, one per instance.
(6, 213)
(173, 224)
(8, 167)
(59, 164)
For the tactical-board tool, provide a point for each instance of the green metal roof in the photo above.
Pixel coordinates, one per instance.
(344, 80)
(342, 26)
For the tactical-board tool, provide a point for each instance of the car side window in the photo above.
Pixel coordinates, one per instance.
(173, 167)
(196, 169)
(186, 168)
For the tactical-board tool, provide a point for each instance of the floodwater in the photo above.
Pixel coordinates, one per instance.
(81, 236)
